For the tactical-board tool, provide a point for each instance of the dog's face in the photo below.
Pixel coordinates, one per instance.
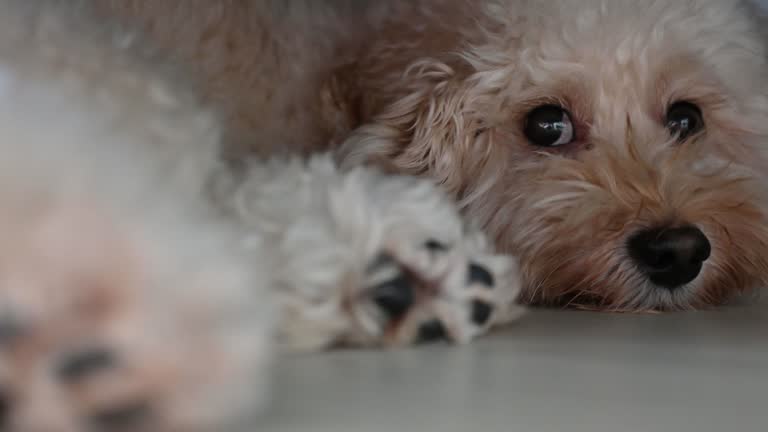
(617, 147)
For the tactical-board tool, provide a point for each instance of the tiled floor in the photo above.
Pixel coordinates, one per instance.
(553, 372)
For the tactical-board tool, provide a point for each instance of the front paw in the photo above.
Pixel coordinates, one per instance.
(430, 292)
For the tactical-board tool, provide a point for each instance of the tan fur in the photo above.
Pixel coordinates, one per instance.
(441, 89)
(254, 62)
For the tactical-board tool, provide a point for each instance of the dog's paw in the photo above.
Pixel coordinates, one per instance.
(106, 328)
(366, 259)
(431, 291)
(408, 293)
(76, 387)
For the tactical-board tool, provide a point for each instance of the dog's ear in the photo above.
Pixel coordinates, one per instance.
(428, 127)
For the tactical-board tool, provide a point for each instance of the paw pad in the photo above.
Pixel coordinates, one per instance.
(394, 297)
(479, 275)
(79, 364)
(10, 330)
(431, 331)
(433, 245)
(121, 417)
(5, 408)
(481, 312)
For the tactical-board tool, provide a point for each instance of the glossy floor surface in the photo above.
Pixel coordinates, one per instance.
(554, 371)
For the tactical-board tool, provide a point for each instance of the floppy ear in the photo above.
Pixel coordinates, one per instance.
(427, 128)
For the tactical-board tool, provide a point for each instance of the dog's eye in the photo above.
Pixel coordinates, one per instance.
(684, 119)
(549, 126)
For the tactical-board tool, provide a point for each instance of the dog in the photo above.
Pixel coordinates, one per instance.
(614, 147)
(594, 154)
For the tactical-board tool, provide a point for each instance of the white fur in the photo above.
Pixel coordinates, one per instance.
(124, 230)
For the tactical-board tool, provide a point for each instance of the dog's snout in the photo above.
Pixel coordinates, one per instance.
(670, 257)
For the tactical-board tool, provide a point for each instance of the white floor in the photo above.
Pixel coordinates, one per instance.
(555, 371)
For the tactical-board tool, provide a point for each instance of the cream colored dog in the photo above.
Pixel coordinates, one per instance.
(614, 146)
(152, 267)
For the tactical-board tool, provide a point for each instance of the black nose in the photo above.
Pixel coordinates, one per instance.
(670, 257)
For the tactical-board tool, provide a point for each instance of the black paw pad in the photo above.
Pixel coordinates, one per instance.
(481, 312)
(5, 409)
(477, 274)
(10, 331)
(435, 246)
(431, 331)
(121, 417)
(394, 297)
(80, 364)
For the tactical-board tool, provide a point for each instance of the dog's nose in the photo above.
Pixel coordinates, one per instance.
(670, 257)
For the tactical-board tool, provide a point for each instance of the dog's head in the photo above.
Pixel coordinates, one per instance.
(619, 148)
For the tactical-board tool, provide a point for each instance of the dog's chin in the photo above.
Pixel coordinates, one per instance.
(641, 298)
(630, 291)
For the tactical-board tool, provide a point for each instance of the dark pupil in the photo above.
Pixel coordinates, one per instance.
(545, 125)
(684, 119)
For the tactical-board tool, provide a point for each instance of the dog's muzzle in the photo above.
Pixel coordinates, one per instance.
(670, 257)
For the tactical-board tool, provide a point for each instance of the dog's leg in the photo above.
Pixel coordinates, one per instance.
(362, 258)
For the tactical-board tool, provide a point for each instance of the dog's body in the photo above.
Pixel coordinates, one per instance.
(225, 44)
(617, 147)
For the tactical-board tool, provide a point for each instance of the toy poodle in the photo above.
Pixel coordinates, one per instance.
(190, 188)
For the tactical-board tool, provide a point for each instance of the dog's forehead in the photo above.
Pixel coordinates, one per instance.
(629, 45)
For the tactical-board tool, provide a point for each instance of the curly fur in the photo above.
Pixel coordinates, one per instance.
(140, 223)
(146, 284)
(616, 66)
(441, 88)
